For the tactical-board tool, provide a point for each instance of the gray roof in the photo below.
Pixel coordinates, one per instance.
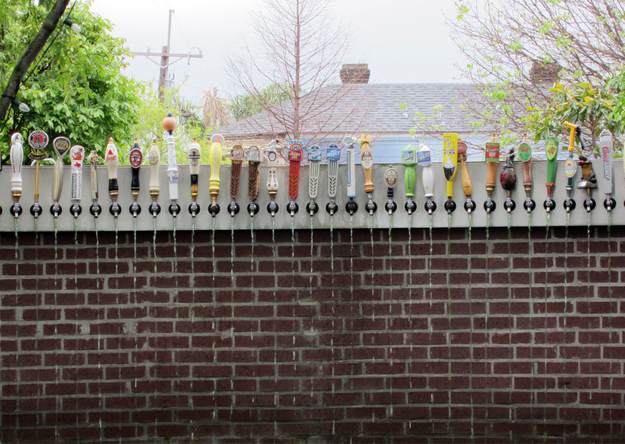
(368, 108)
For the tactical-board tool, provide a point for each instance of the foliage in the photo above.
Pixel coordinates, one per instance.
(578, 103)
(215, 109)
(246, 105)
(190, 123)
(510, 44)
(75, 88)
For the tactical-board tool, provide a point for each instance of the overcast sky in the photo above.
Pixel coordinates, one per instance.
(403, 41)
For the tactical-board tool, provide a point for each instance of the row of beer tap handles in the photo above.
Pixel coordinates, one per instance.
(454, 154)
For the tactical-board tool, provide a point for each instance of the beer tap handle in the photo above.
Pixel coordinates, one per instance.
(606, 143)
(314, 158)
(93, 160)
(272, 176)
(194, 156)
(492, 158)
(136, 159)
(333, 155)
(409, 159)
(366, 159)
(450, 160)
(61, 146)
(237, 156)
(254, 157)
(112, 161)
(351, 167)
(525, 154)
(424, 159)
(17, 159)
(155, 160)
(215, 164)
(77, 155)
(169, 124)
(467, 186)
(295, 160)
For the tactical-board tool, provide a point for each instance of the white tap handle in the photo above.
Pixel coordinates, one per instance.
(351, 170)
(94, 159)
(77, 155)
(17, 158)
(172, 168)
(314, 158)
(272, 174)
(607, 155)
(333, 155)
(155, 160)
(61, 146)
(112, 160)
(424, 159)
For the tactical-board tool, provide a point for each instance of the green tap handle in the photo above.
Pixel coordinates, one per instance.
(411, 180)
(552, 153)
(409, 159)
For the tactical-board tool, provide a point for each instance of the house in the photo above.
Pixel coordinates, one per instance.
(385, 111)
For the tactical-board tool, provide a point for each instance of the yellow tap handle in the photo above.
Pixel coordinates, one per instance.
(366, 159)
(573, 128)
(215, 163)
(450, 160)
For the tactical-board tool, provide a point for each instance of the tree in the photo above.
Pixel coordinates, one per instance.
(30, 53)
(297, 50)
(75, 87)
(246, 105)
(518, 50)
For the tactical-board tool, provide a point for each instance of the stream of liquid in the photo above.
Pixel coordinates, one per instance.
(449, 336)
(469, 269)
(486, 283)
(546, 308)
(510, 350)
(531, 310)
(390, 302)
(566, 262)
(312, 257)
(56, 328)
(97, 264)
(372, 262)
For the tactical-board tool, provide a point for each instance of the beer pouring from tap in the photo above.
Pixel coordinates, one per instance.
(38, 141)
(237, 156)
(525, 154)
(272, 177)
(136, 159)
(254, 156)
(169, 124)
(154, 158)
(215, 164)
(76, 156)
(314, 159)
(409, 160)
(95, 208)
(606, 144)
(296, 149)
(61, 146)
(17, 159)
(194, 155)
(112, 161)
(333, 154)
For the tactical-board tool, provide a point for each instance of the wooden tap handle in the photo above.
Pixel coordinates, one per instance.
(492, 159)
(491, 177)
(527, 174)
(467, 186)
(254, 157)
(295, 160)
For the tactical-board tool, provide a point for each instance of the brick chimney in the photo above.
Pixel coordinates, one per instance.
(355, 73)
(541, 73)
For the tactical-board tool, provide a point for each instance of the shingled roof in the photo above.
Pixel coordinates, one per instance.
(369, 108)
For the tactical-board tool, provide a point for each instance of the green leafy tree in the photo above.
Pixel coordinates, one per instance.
(75, 88)
(517, 50)
(190, 118)
(246, 105)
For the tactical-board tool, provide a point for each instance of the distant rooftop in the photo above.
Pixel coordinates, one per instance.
(352, 109)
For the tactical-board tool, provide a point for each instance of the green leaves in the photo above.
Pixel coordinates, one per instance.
(76, 88)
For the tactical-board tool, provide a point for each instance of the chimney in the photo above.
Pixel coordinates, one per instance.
(355, 73)
(542, 73)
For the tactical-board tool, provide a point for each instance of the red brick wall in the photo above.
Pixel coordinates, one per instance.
(472, 342)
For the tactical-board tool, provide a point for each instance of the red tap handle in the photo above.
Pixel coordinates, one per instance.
(295, 159)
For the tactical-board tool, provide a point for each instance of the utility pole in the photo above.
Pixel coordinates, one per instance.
(165, 55)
